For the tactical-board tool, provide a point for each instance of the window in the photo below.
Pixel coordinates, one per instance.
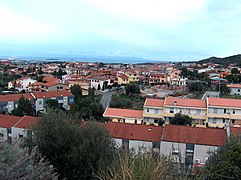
(20, 136)
(125, 144)
(215, 111)
(156, 145)
(40, 102)
(156, 111)
(223, 120)
(238, 90)
(225, 111)
(61, 87)
(171, 110)
(198, 112)
(1, 135)
(233, 112)
(214, 121)
(147, 110)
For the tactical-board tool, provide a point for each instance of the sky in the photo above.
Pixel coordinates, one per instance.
(151, 29)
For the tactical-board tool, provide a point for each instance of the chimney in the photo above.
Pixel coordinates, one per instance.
(175, 103)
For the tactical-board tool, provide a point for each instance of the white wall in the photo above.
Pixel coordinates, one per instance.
(4, 132)
(166, 149)
(201, 152)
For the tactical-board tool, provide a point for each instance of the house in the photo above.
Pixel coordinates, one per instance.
(222, 112)
(235, 89)
(21, 84)
(122, 79)
(192, 107)
(135, 136)
(158, 78)
(99, 82)
(185, 144)
(153, 110)
(13, 127)
(179, 81)
(124, 115)
(38, 100)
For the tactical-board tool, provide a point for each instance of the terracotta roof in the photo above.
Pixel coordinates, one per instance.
(123, 76)
(52, 83)
(14, 97)
(235, 131)
(26, 122)
(7, 121)
(170, 101)
(194, 135)
(51, 79)
(225, 102)
(52, 94)
(154, 102)
(134, 131)
(123, 113)
(234, 85)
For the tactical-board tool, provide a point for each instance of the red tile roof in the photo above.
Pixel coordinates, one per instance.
(154, 102)
(52, 94)
(7, 121)
(234, 85)
(134, 131)
(194, 135)
(123, 76)
(123, 113)
(224, 102)
(235, 131)
(26, 122)
(170, 101)
(14, 97)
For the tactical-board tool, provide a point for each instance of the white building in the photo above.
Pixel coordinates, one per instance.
(235, 89)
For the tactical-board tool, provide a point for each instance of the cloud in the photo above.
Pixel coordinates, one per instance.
(16, 25)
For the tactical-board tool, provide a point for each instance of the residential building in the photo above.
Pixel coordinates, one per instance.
(124, 115)
(38, 100)
(99, 82)
(235, 89)
(122, 79)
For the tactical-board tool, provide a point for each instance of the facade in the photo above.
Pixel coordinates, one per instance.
(98, 82)
(38, 100)
(185, 144)
(159, 78)
(209, 112)
(122, 79)
(235, 89)
(21, 84)
(13, 127)
(124, 115)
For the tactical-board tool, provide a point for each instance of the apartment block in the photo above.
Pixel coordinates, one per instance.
(38, 100)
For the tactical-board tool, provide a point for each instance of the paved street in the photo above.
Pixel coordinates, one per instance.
(106, 98)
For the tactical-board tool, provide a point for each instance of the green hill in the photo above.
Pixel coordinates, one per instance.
(223, 61)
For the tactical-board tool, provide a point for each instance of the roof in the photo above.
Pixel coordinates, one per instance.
(123, 76)
(234, 85)
(52, 83)
(134, 131)
(171, 101)
(225, 102)
(14, 97)
(52, 94)
(236, 131)
(26, 122)
(7, 121)
(194, 135)
(51, 79)
(154, 102)
(123, 113)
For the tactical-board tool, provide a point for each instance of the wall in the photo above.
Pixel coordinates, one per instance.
(201, 152)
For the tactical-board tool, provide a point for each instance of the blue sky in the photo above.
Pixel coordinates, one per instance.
(151, 29)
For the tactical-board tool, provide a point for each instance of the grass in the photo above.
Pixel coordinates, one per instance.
(231, 96)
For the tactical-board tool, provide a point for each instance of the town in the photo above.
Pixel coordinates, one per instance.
(184, 109)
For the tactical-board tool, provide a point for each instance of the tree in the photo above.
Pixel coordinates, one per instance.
(77, 92)
(180, 119)
(132, 89)
(91, 92)
(24, 108)
(75, 150)
(52, 103)
(196, 86)
(224, 163)
(223, 88)
(17, 163)
(235, 71)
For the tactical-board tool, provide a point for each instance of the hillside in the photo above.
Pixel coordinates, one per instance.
(223, 61)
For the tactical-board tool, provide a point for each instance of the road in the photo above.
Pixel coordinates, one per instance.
(106, 98)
